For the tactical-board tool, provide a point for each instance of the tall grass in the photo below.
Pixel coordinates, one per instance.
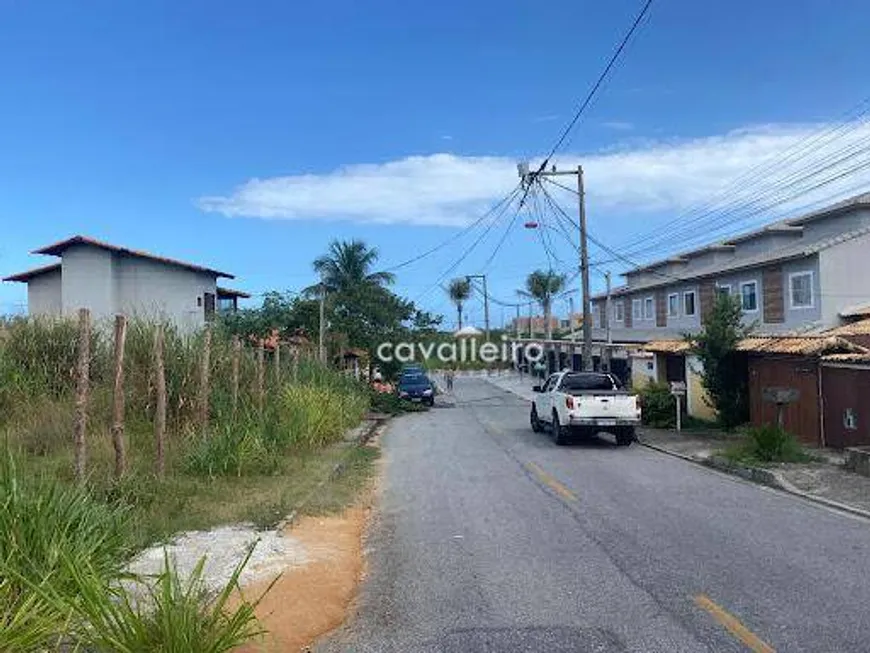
(304, 407)
(61, 565)
(42, 525)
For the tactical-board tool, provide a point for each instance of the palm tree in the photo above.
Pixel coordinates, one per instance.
(543, 286)
(348, 265)
(459, 291)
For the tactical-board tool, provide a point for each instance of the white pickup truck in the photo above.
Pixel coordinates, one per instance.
(585, 403)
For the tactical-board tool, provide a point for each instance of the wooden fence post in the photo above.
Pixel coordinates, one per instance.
(237, 352)
(160, 404)
(261, 362)
(204, 388)
(118, 396)
(295, 364)
(82, 389)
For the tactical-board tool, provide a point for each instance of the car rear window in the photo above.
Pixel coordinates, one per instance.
(587, 382)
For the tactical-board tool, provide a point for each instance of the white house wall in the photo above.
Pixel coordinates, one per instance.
(845, 269)
(88, 281)
(151, 289)
(44, 294)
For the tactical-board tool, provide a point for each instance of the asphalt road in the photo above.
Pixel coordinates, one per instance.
(492, 538)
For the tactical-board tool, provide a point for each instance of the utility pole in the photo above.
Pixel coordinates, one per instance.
(607, 309)
(528, 177)
(608, 313)
(321, 350)
(469, 277)
(584, 275)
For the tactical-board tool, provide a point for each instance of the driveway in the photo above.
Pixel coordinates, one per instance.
(492, 538)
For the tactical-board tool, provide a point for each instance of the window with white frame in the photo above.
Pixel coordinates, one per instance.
(673, 305)
(800, 285)
(618, 312)
(723, 289)
(749, 296)
(636, 309)
(689, 303)
(648, 308)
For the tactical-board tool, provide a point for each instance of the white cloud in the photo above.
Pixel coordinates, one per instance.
(445, 189)
(618, 125)
(446, 137)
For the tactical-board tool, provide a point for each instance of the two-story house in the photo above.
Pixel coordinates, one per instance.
(797, 275)
(109, 279)
(794, 275)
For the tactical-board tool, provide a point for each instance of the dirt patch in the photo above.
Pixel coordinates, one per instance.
(311, 600)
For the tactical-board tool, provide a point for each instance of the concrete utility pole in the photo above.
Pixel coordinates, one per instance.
(608, 314)
(584, 275)
(607, 309)
(469, 277)
(530, 177)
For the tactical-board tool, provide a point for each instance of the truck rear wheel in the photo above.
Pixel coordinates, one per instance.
(625, 437)
(561, 434)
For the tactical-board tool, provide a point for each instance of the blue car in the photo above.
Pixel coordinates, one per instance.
(416, 386)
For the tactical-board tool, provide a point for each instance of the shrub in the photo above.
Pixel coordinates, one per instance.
(312, 415)
(770, 443)
(766, 444)
(659, 406)
(230, 451)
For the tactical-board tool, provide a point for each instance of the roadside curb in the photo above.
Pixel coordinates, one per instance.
(761, 476)
(363, 433)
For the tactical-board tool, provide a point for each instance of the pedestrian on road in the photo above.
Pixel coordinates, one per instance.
(449, 377)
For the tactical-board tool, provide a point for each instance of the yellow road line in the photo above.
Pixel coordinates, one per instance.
(733, 625)
(551, 482)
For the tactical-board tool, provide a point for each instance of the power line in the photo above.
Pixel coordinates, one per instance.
(848, 121)
(468, 250)
(593, 91)
(495, 207)
(603, 76)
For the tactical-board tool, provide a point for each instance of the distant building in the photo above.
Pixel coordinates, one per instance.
(539, 324)
(109, 280)
(801, 274)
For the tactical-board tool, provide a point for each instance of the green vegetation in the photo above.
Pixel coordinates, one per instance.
(543, 287)
(724, 375)
(243, 459)
(62, 585)
(63, 545)
(659, 406)
(390, 404)
(359, 306)
(459, 291)
(768, 444)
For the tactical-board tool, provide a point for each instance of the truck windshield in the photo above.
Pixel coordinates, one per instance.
(588, 381)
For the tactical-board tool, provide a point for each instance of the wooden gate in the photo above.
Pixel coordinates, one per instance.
(846, 391)
(801, 418)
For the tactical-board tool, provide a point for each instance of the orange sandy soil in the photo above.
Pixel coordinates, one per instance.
(313, 599)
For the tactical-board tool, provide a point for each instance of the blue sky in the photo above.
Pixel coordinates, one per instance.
(148, 124)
